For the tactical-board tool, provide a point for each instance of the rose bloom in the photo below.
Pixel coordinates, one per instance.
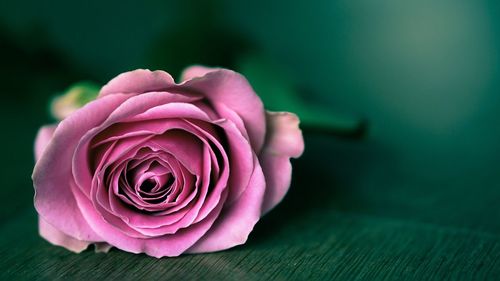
(161, 168)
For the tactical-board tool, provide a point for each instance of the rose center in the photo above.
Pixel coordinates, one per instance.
(156, 185)
(148, 185)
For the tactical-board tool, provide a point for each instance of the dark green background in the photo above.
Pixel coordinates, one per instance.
(417, 198)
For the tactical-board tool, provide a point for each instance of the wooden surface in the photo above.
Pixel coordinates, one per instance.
(350, 215)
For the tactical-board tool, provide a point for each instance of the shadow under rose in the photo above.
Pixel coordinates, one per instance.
(327, 178)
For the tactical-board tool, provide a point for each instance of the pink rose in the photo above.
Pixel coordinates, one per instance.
(161, 168)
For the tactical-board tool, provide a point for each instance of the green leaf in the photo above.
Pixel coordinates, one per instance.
(279, 93)
(73, 98)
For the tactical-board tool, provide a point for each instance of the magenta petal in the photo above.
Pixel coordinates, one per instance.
(137, 82)
(52, 174)
(42, 139)
(235, 118)
(226, 87)
(237, 220)
(58, 238)
(241, 160)
(196, 71)
(187, 149)
(284, 140)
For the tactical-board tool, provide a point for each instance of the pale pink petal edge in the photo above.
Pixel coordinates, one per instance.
(137, 82)
(43, 137)
(58, 238)
(283, 141)
(196, 71)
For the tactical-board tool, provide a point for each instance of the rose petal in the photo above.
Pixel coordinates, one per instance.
(237, 220)
(42, 139)
(241, 160)
(196, 71)
(226, 87)
(58, 238)
(138, 81)
(283, 140)
(52, 174)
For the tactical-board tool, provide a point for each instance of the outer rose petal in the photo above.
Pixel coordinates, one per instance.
(236, 221)
(52, 175)
(196, 71)
(46, 230)
(226, 87)
(138, 81)
(58, 238)
(219, 86)
(42, 139)
(283, 140)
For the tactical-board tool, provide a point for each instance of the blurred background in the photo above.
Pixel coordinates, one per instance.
(424, 74)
